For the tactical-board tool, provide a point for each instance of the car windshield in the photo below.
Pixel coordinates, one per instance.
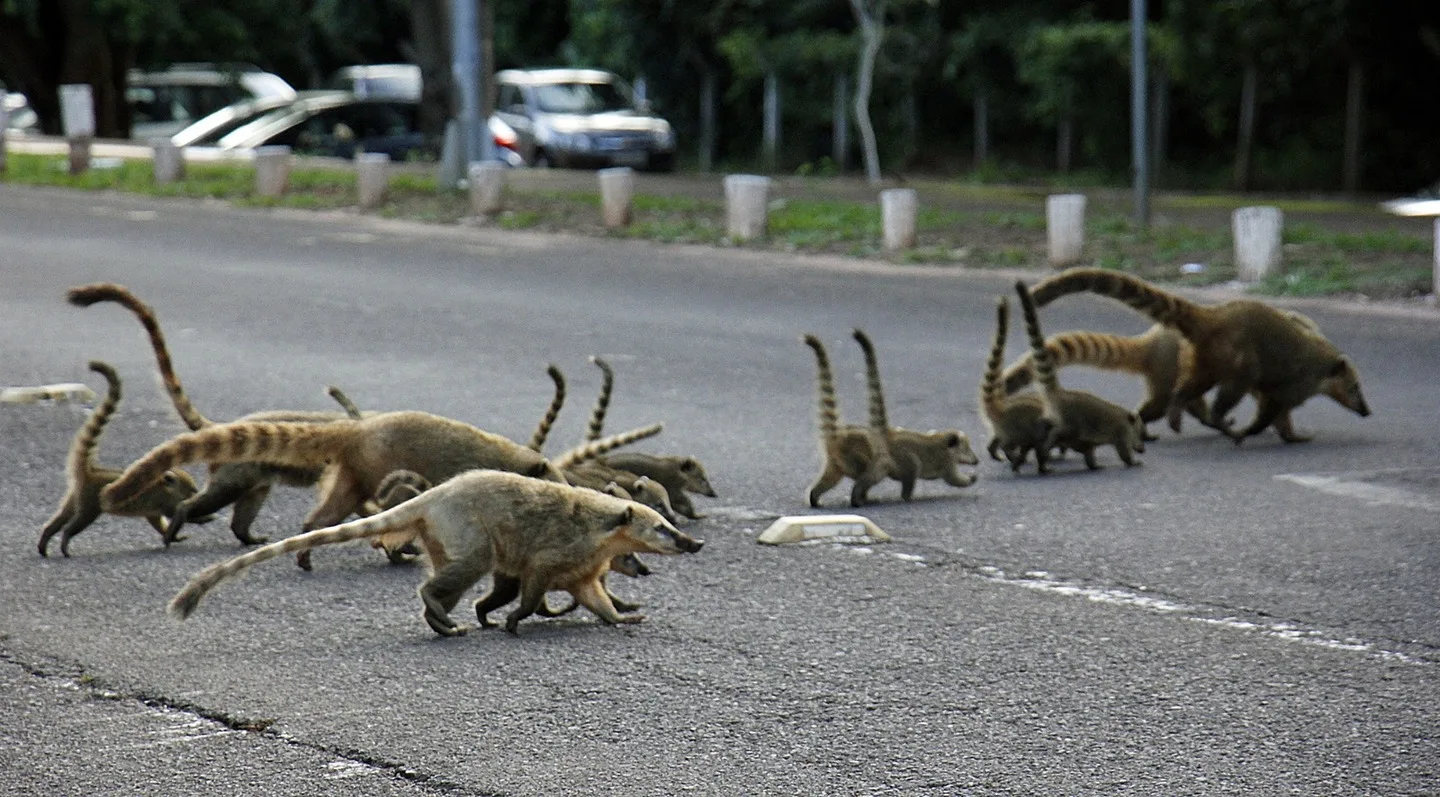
(580, 98)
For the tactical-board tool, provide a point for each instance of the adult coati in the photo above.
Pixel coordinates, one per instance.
(85, 478)
(1242, 346)
(532, 535)
(859, 453)
(915, 455)
(1015, 422)
(1076, 419)
(245, 485)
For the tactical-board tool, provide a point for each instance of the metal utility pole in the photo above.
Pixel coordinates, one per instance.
(465, 63)
(1139, 108)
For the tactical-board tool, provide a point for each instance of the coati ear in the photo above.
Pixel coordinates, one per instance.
(689, 464)
(615, 490)
(951, 440)
(626, 516)
(538, 470)
(1341, 366)
(643, 480)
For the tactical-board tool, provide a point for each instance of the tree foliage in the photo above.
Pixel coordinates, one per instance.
(1036, 65)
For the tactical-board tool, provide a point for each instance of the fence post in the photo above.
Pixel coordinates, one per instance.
(617, 187)
(1065, 226)
(1257, 241)
(167, 160)
(746, 205)
(487, 187)
(372, 178)
(898, 209)
(1436, 286)
(77, 116)
(272, 170)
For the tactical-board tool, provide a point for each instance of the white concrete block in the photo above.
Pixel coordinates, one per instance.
(168, 161)
(1257, 241)
(617, 190)
(831, 528)
(899, 208)
(272, 170)
(372, 178)
(1065, 228)
(487, 187)
(747, 198)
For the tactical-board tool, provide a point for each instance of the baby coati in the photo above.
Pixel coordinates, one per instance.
(1242, 347)
(1015, 422)
(85, 478)
(915, 455)
(1076, 419)
(531, 535)
(245, 485)
(677, 474)
(861, 454)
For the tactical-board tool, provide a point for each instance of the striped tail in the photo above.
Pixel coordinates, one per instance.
(876, 391)
(542, 432)
(87, 439)
(86, 295)
(596, 448)
(1159, 304)
(1095, 349)
(992, 392)
(829, 415)
(292, 444)
(1044, 367)
(602, 402)
(185, 601)
(345, 402)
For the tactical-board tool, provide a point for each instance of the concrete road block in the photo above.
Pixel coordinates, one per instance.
(617, 189)
(487, 187)
(747, 198)
(899, 208)
(167, 160)
(1257, 241)
(272, 170)
(1065, 228)
(372, 178)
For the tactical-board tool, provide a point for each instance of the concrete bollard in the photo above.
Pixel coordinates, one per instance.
(1257, 241)
(77, 117)
(4, 125)
(487, 187)
(746, 205)
(617, 188)
(372, 178)
(1065, 228)
(167, 160)
(272, 170)
(898, 209)
(1436, 286)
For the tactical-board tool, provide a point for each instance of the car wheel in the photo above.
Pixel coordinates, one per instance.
(542, 160)
(661, 162)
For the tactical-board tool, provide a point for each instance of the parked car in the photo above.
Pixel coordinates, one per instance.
(577, 118)
(337, 124)
(399, 81)
(20, 118)
(164, 102)
(208, 130)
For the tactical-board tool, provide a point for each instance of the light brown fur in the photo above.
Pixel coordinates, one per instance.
(1015, 422)
(1076, 419)
(1242, 347)
(861, 454)
(245, 485)
(85, 478)
(936, 454)
(532, 536)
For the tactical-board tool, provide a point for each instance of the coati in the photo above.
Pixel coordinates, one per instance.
(677, 474)
(1160, 356)
(245, 485)
(1076, 419)
(859, 453)
(85, 478)
(1242, 346)
(532, 536)
(402, 485)
(915, 455)
(1015, 422)
(351, 411)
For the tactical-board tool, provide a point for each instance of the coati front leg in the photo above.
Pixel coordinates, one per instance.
(226, 485)
(1286, 429)
(592, 595)
(443, 590)
(1227, 398)
(907, 469)
(1269, 411)
(1193, 388)
(825, 482)
(244, 511)
(503, 589)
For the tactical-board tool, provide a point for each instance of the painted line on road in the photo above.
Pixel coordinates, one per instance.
(1360, 485)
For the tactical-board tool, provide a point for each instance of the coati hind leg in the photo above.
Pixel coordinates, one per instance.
(244, 511)
(443, 589)
(1269, 411)
(1286, 429)
(503, 589)
(340, 495)
(227, 484)
(825, 482)
(1192, 389)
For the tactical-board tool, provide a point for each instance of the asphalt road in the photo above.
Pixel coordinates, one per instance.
(1216, 621)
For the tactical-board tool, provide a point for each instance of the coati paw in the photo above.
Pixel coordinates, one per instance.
(302, 560)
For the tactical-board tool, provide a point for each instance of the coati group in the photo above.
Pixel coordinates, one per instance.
(471, 502)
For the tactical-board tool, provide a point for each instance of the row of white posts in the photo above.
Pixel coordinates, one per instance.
(1256, 230)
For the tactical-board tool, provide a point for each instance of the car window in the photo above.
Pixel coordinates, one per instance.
(511, 99)
(337, 131)
(179, 103)
(580, 98)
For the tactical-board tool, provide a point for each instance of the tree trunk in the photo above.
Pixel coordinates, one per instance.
(840, 123)
(1064, 143)
(981, 105)
(429, 48)
(1245, 139)
(872, 32)
(708, 128)
(1354, 117)
(771, 142)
